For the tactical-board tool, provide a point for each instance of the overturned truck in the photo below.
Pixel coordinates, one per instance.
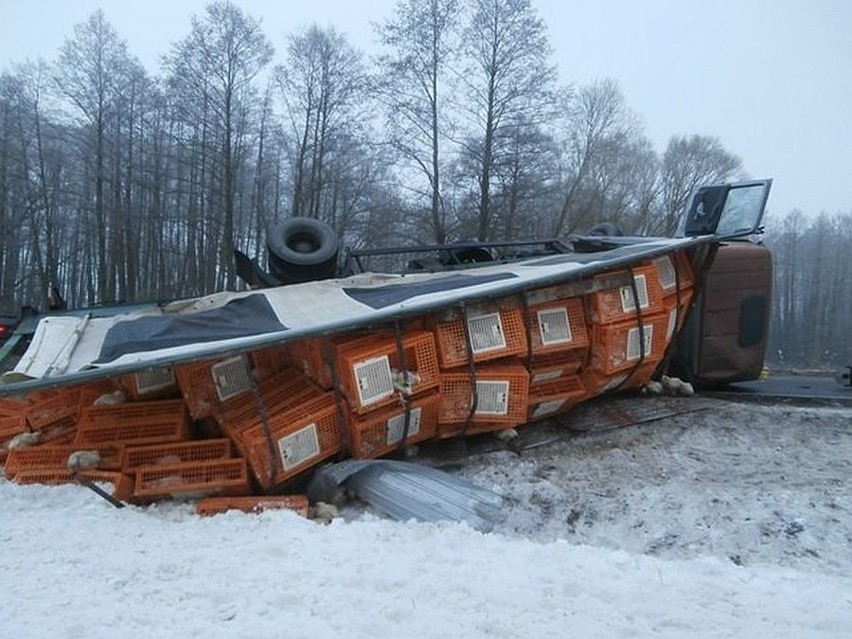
(234, 397)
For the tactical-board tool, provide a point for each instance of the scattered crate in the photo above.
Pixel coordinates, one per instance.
(555, 396)
(253, 504)
(617, 347)
(205, 385)
(54, 410)
(10, 427)
(557, 326)
(12, 408)
(55, 457)
(493, 335)
(551, 366)
(380, 432)
(617, 304)
(136, 457)
(122, 485)
(299, 438)
(134, 423)
(192, 480)
(502, 391)
(90, 393)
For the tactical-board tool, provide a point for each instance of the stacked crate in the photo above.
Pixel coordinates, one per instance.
(628, 331)
(206, 385)
(484, 387)
(676, 282)
(155, 383)
(559, 346)
(53, 414)
(388, 382)
(12, 423)
(288, 426)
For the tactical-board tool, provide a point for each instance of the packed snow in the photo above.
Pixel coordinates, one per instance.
(731, 521)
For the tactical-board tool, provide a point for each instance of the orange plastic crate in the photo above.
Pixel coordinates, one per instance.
(642, 376)
(616, 347)
(205, 385)
(135, 423)
(551, 366)
(122, 485)
(156, 383)
(502, 391)
(369, 368)
(557, 326)
(89, 393)
(56, 457)
(136, 457)
(253, 504)
(365, 365)
(555, 396)
(674, 270)
(677, 313)
(379, 432)
(309, 356)
(192, 480)
(598, 383)
(12, 408)
(493, 335)
(617, 304)
(278, 393)
(269, 361)
(301, 437)
(53, 410)
(12, 425)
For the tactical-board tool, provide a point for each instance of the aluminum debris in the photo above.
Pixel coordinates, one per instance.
(404, 490)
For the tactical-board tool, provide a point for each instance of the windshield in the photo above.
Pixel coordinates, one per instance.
(743, 208)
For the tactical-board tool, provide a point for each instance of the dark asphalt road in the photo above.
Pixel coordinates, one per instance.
(797, 387)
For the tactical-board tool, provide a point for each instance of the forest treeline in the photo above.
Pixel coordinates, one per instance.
(119, 185)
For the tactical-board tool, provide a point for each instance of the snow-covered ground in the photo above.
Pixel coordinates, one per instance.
(734, 521)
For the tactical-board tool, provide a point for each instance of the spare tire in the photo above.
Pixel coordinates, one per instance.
(302, 249)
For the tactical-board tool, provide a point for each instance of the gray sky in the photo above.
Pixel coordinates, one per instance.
(771, 78)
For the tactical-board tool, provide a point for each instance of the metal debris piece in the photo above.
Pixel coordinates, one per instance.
(404, 490)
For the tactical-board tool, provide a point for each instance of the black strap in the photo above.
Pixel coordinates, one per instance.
(403, 367)
(474, 402)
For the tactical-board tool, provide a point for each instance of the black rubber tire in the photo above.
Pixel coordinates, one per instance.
(302, 249)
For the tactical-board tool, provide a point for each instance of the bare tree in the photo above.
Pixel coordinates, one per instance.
(597, 122)
(91, 72)
(217, 62)
(689, 162)
(508, 84)
(413, 78)
(323, 87)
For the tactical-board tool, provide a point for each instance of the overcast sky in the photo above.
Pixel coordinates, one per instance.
(771, 78)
